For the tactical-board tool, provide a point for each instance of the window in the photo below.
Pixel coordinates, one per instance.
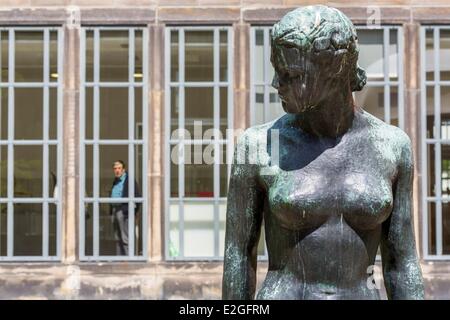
(113, 126)
(435, 114)
(199, 98)
(381, 54)
(30, 143)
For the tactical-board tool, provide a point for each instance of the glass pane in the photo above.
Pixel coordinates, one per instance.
(199, 56)
(444, 59)
(29, 56)
(28, 113)
(3, 113)
(275, 107)
(53, 114)
(429, 56)
(430, 112)
(394, 95)
(223, 111)
(258, 59)
(89, 173)
(174, 68)
(89, 113)
(52, 172)
(223, 55)
(138, 130)
(114, 55)
(4, 56)
(138, 232)
(223, 170)
(445, 228)
(445, 170)
(445, 112)
(371, 53)
(174, 171)
(174, 243)
(53, 56)
(3, 228)
(259, 105)
(28, 229)
(431, 150)
(52, 230)
(199, 106)
(89, 55)
(199, 229)
(138, 167)
(111, 230)
(138, 76)
(114, 113)
(3, 171)
(28, 171)
(371, 99)
(393, 55)
(199, 178)
(174, 109)
(109, 154)
(431, 228)
(88, 229)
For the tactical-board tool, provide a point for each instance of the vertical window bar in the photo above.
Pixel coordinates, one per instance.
(387, 91)
(82, 184)
(60, 141)
(144, 213)
(10, 214)
(216, 113)
(167, 121)
(437, 159)
(401, 85)
(181, 114)
(96, 170)
(424, 145)
(266, 73)
(45, 157)
(230, 92)
(252, 76)
(131, 171)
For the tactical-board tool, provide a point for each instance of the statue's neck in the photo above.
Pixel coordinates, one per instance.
(330, 119)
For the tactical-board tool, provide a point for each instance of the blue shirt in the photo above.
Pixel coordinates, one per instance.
(118, 187)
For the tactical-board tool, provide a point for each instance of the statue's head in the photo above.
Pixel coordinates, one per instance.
(315, 55)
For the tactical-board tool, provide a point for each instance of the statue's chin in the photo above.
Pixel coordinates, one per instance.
(297, 108)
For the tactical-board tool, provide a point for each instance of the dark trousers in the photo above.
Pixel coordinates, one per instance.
(120, 223)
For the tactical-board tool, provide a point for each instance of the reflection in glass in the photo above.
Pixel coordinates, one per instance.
(223, 170)
(445, 170)
(53, 114)
(114, 55)
(113, 113)
(52, 229)
(371, 53)
(430, 111)
(174, 243)
(199, 106)
(431, 228)
(174, 152)
(198, 229)
(3, 228)
(429, 55)
(28, 113)
(3, 171)
(4, 58)
(223, 111)
(259, 105)
(199, 56)
(107, 245)
(27, 229)
(88, 229)
(431, 150)
(3, 113)
(174, 68)
(259, 59)
(199, 178)
(89, 56)
(393, 55)
(53, 56)
(28, 171)
(445, 228)
(223, 56)
(445, 112)
(444, 53)
(89, 173)
(29, 56)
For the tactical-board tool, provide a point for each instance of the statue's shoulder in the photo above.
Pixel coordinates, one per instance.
(257, 134)
(392, 137)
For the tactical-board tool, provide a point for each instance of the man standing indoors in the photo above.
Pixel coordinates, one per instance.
(119, 211)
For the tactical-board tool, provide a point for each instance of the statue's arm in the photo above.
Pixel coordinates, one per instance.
(401, 268)
(243, 225)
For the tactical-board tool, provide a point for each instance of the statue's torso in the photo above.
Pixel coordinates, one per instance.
(324, 207)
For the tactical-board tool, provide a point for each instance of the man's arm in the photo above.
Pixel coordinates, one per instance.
(401, 269)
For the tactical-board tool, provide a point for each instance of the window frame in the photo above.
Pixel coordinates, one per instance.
(45, 142)
(216, 84)
(131, 142)
(435, 140)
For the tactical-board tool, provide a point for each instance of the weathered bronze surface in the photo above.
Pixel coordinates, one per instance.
(331, 182)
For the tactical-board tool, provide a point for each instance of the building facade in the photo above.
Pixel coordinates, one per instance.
(84, 83)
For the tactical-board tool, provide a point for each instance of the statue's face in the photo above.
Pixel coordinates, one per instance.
(306, 78)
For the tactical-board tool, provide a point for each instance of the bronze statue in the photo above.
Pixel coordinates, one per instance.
(332, 186)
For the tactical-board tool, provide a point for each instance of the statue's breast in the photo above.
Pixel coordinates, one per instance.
(308, 198)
